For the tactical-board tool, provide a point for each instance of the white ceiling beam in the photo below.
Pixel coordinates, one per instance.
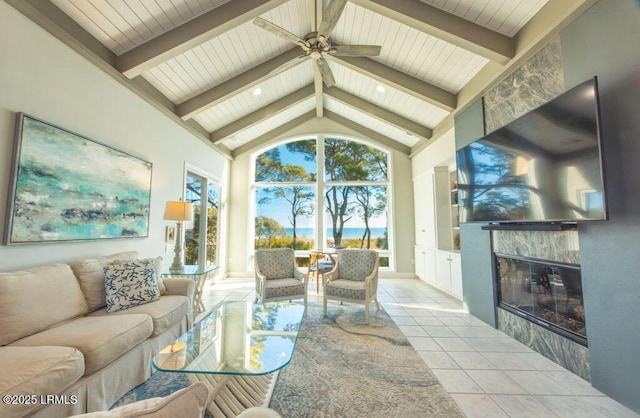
(379, 113)
(236, 85)
(262, 114)
(367, 133)
(446, 26)
(191, 34)
(399, 80)
(273, 134)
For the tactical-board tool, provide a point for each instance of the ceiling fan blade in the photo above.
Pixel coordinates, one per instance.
(330, 18)
(277, 30)
(355, 50)
(325, 72)
(288, 65)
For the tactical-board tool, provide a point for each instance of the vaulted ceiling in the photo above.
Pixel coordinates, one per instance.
(207, 65)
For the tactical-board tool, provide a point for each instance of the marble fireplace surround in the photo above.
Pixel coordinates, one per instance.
(558, 246)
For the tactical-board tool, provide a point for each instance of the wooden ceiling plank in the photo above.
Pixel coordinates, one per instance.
(399, 80)
(273, 134)
(48, 16)
(379, 113)
(191, 34)
(53, 20)
(367, 133)
(548, 22)
(319, 90)
(446, 26)
(262, 114)
(236, 85)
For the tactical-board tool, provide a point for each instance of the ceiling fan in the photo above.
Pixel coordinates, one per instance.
(317, 44)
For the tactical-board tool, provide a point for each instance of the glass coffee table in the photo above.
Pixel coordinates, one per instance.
(238, 349)
(236, 338)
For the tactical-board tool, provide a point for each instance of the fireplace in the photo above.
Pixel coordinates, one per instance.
(547, 293)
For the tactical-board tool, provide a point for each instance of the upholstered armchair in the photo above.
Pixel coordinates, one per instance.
(354, 279)
(277, 277)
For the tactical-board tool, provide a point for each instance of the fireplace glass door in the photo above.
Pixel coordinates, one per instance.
(547, 293)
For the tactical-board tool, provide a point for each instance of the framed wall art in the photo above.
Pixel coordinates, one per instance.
(65, 187)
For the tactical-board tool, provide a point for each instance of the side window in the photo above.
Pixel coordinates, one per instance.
(201, 235)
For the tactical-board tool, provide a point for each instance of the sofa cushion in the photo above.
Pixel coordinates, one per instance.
(188, 402)
(346, 289)
(36, 371)
(100, 339)
(90, 275)
(275, 288)
(164, 312)
(131, 284)
(35, 299)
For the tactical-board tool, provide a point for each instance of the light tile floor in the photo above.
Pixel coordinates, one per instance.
(486, 372)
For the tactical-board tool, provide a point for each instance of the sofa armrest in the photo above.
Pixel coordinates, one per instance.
(179, 286)
(183, 287)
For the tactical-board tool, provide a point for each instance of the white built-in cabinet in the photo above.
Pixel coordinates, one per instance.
(436, 250)
(448, 273)
(440, 269)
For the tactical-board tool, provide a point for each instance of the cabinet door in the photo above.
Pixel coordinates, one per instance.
(424, 210)
(443, 271)
(430, 266)
(456, 276)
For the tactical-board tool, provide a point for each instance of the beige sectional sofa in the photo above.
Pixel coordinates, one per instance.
(62, 353)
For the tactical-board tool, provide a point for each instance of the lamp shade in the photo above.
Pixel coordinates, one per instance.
(178, 211)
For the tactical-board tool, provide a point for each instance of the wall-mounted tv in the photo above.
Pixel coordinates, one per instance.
(545, 166)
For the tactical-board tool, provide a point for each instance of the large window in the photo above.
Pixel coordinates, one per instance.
(322, 193)
(201, 235)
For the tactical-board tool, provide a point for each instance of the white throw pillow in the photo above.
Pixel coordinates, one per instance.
(188, 402)
(131, 284)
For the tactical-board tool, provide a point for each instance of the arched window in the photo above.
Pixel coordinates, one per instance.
(322, 192)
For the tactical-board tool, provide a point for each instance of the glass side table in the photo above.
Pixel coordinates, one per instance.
(199, 274)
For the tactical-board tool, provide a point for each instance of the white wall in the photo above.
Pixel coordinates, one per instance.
(442, 152)
(45, 79)
(239, 239)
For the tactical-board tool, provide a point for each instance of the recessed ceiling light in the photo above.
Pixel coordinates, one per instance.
(257, 91)
(380, 88)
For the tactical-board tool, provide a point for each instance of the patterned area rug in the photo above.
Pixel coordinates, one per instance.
(342, 367)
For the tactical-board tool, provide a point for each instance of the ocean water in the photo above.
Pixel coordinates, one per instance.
(346, 232)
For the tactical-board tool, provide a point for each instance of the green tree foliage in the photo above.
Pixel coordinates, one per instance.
(267, 228)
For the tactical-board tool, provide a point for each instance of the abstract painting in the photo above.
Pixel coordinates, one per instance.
(66, 187)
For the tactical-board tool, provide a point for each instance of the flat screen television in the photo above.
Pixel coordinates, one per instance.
(545, 166)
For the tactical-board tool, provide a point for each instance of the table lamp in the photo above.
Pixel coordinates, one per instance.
(178, 211)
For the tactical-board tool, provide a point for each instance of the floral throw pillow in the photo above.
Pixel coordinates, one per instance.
(131, 284)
